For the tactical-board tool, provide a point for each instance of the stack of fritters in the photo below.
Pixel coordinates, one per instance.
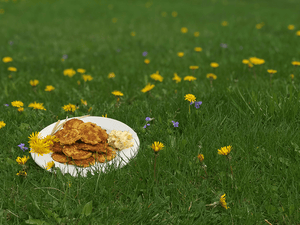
(82, 144)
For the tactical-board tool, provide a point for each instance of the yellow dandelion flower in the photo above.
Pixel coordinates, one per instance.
(189, 78)
(214, 65)
(201, 157)
(296, 63)
(33, 83)
(111, 75)
(157, 76)
(157, 146)
(198, 49)
(49, 88)
(298, 33)
(245, 61)
(49, 165)
(114, 20)
(184, 30)
(36, 105)
(117, 93)
(250, 65)
(147, 88)
(259, 25)
(224, 23)
(69, 108)
(22, 160)
(87, 78)
(256, 61)
(80, 70)
(223, 202)
(17, 104)
(2, 124)
(292, 76)
(39, 145)
(225, 150)
(272, 71)
(83, 102)
(12, 69)
(291, 27)
(2, 11)
(21, 109)
(132, 33)
(180, 54)
(104, 116)
(176, 78)
(174, 14)
(196, 34)
(190, 97)
(7, 59)
(90, 109)
(22, 173)
(211, 75)
(69, 72)
(147, 61)
(78, 82)
(194, 67)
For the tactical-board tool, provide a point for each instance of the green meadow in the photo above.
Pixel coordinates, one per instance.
(247, 107)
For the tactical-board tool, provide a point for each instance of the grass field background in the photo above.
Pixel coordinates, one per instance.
(259, 119)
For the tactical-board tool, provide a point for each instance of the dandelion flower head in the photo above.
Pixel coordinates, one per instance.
(49, 88)
(176, 78)
(214, 65)
(17, 104)
(2, 124)
(174, 14)
(7, 59)
(39, 145)
(296, 63)
(33, 83)
(22, 173)
(196, 34)
(224, 23)
(111, 75)
(272, 71)
(184, 30)
(117, 93)
(292, 76)
(147, 61)
(180, 54)
(189, 78)
(256, 61)
(49, 165)
(12, 69)
(245, 61)
(36, 105)
(223, 202)
(69, 72)
(190, 97)
(157, 76)
(157, 146)
(80, 70)
(147, 88)
(22, 160)
(225, 150)
(201, 157)
(298, 33)
(87, 78)
(194, 67)
(198, 49)
(291, 27)
(69, 108)
(83, 102)
(211, 75)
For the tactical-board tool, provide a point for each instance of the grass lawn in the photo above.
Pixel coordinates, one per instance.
(254, 110)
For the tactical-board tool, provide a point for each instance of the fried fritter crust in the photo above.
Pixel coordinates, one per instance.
(74, 153)
(89, 133)
(59, 157)
(72, 124)
(83, 162)
(56, 147)
(68, 137)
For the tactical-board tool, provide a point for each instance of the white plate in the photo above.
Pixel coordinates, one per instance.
(123, 157)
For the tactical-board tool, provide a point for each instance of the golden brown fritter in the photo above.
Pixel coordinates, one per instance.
(89, 133)
(72, 124)
(68, 137)
(59, 157)
(74, 153)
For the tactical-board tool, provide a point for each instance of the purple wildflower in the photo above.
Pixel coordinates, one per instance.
(6, 105)
(175, 124)
(145, 54)
(148, 124)
(197, 104)
(22, 147)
